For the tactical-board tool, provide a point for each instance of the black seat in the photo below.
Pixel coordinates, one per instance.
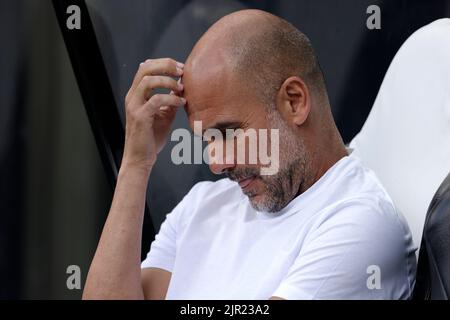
(433, 272)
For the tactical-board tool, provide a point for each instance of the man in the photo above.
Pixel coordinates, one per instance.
(322, 227)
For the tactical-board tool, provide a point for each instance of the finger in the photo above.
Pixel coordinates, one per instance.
(149, 83)
(179, 92)
(158, 101)
(164, 66)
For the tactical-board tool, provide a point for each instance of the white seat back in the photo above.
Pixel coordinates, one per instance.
(406, 137)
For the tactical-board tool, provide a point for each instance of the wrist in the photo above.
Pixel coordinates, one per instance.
(140, 169)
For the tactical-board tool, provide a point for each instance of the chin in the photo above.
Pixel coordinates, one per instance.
(258, 202)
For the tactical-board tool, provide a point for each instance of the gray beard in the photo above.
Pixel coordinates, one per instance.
(283, 187)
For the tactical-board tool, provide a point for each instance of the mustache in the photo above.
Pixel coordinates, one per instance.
(242, 173)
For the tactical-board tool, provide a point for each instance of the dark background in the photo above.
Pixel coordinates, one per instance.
(54, 194)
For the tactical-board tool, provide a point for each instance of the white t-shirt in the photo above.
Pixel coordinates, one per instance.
(340, 239)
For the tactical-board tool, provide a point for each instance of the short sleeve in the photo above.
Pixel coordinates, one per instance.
(357, 253)
(163, 249)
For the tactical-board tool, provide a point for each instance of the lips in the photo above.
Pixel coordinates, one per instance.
(244, 183)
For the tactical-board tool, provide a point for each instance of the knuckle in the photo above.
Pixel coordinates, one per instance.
(156, 99)
(147, 81)
(169, 62)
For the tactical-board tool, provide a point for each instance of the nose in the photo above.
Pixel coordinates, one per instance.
(219, 159)
(219, 168)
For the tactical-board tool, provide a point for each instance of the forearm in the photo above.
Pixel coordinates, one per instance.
(115, 270)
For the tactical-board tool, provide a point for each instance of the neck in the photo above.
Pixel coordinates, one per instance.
(320, 161)
(330, 161)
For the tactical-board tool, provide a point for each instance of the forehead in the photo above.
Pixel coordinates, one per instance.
(211, 91)
(204, 87)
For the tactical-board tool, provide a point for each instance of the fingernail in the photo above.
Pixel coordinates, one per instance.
(180, 65)
(179, 71)
(184, 100)
(180, 86)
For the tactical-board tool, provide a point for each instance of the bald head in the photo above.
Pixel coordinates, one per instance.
(253, 70)
(261, 51)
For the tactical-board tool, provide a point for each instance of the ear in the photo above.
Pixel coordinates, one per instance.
(294, 100)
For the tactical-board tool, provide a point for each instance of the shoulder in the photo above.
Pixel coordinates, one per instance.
(370, 216)
(361, 211)
(369, 204)
(361, 234)
(369, 229)
(203, 197)
(207, 196)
